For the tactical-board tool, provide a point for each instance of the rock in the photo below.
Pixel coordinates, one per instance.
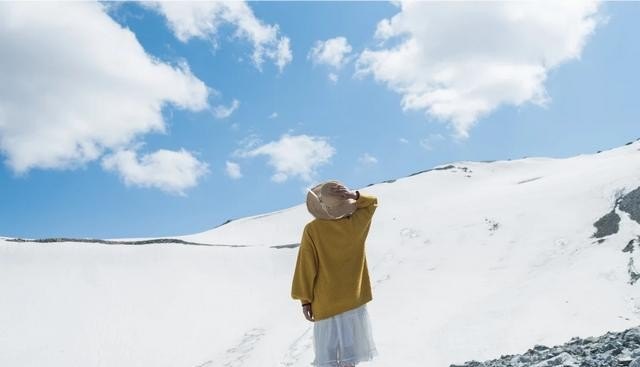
(620, 349)
(607, 225)
(630, 203)
(629, 246)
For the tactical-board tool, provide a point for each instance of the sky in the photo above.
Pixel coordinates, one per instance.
(161, 119)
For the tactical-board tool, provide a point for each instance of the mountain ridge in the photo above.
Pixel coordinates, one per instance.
(467, 263)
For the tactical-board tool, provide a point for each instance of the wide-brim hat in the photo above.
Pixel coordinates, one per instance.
(322, 203)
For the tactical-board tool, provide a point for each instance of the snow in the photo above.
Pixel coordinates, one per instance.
(465, 264)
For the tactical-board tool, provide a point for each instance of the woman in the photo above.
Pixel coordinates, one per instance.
(331, 277)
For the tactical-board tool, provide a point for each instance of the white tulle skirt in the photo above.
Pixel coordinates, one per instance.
(344, 339)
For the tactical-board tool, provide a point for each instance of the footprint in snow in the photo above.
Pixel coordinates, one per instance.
(409, 233)
(235, 357)
(299, 346)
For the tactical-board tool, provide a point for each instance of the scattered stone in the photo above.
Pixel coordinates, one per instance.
(493, 225)
(292, 245)
(633, 274)
(629, 247)
(610, 350)
(443, 168)
(450, 166)
(225, 222)
(528, 180)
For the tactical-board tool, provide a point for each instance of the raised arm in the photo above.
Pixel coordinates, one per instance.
(366, 206)
(368, 203)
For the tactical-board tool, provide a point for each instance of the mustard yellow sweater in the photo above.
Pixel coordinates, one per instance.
(331, 269)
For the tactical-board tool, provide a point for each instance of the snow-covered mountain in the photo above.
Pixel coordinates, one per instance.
(468, 261)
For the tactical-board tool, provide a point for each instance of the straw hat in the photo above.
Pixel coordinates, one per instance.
(322, 203)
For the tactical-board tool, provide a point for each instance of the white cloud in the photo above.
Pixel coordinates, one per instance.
(247, 143)
(283, 54)
(333, 77)
(76, 84)
(332, 52)
(430, 141)
(199, 19)
(294, 156)
(403, 140)
(222, 112)
(458, 61)
(166, 170)
(233, 170)
(367, 159)
(273, 115)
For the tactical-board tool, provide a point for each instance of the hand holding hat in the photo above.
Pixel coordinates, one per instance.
(341, 191)
(331, 200)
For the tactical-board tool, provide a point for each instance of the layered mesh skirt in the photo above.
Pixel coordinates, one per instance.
(344, 339)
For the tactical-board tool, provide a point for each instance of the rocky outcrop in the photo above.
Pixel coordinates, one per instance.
(630, 204)
(609, 223)
(610, 350)
(152, 241)
(116, 242)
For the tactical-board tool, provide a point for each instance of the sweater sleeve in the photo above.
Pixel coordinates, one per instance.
(304, 276)
(366, 206)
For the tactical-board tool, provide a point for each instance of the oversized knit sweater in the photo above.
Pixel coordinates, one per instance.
(331, 269)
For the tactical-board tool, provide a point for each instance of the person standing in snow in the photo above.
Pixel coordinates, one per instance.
(331, 277)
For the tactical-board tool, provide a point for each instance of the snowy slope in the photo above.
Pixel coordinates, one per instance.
(468, 262)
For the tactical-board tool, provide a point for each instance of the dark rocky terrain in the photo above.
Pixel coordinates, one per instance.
(152, 241)
(609, 350)
(609, 224)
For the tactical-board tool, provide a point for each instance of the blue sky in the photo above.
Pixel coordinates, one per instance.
(378, 120)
